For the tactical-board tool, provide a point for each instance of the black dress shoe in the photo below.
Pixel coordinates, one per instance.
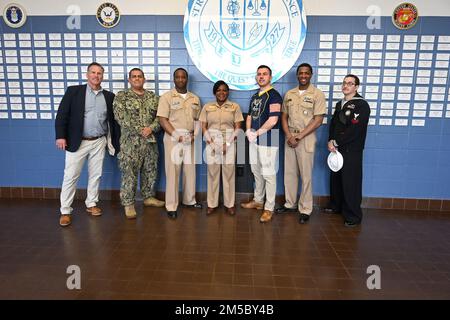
(172, 214)
(195, 205)
(231, 211)
(283, 209)
(303, 218)
(351, 224)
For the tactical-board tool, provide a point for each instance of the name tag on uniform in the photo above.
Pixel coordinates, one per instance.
(308, 100)
(176, 103)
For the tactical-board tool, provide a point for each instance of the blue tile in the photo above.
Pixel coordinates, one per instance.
(424, 141)
(54, 162)
(169, 23)
(432, 126)
(27, 163)
(418, 172)
(434, 25)
(446, 127)
(393, 157)
(444, 159)
(439, 192)
(391, 141)
(7, 162)
(419, 189)
(201, 185)
(137, 23)
(5, 130)
(178, 57)
(308, 56)
(394, 172)
(21, 133)
(321, 24)
(6, 177)
(27, 149)
(201, 87)
(108, 181)
(391, 130)
(28, 177)
(387, 188)
(427, 158)
(47, 133)
(110, 164)
(53, 179)
(312, 41)
(177, 41)
(6, 148)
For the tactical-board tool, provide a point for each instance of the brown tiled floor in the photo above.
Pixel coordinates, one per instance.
(220, 257)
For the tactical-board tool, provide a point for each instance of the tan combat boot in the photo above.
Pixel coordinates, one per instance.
(130, 212)
(153, 202)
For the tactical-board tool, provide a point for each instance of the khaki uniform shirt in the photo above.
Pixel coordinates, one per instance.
(181, 112)
(223, 117)
(302, 108)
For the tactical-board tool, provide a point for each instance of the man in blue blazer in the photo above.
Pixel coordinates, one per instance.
(84, 127)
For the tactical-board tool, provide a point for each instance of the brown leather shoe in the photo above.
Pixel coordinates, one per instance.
(252, 205)
(231, 211)
(266, 216)
(94, 211)
(210, 210)
(65, 220)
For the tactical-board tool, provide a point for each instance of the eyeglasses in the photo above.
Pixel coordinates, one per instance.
(348, 84)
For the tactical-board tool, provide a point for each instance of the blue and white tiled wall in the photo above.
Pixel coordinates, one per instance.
(404, 77)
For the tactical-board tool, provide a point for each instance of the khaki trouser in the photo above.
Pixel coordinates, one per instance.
(177, 155)
(297, 161)
(264, 165)
(216, 162)
(94, 151)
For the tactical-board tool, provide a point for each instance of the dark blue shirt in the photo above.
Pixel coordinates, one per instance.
(260, 111)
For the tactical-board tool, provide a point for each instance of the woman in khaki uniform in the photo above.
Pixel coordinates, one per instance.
(221, 120)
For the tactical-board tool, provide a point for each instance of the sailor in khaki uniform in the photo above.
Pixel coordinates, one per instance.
(221, 121)
(303, 110)
(178, 112)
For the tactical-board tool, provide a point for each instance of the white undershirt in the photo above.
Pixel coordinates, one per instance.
(301, 91)
(183, 95)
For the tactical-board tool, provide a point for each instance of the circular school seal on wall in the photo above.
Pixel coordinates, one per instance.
(108, 15)
(405, 16)
(228, 39)
(14, 15)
